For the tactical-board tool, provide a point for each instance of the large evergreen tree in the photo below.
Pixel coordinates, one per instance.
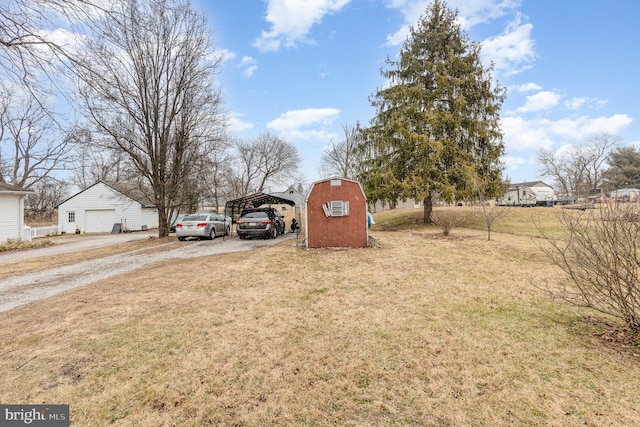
(624, 169)
(436, 130)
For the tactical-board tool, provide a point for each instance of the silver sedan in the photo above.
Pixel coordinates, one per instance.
(202, 226)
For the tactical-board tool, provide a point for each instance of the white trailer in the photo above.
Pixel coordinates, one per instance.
(528, 194)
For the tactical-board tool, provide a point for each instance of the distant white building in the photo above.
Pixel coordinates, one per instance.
(12, 213)
(535, 193)
(294, 195)
(99, 207)
(625, 193)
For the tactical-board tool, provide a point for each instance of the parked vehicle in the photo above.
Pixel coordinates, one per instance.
(260, 222)
(177, 219)
(208, 211)
(202, 226)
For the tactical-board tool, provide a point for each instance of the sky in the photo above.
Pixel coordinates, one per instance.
(303, 69)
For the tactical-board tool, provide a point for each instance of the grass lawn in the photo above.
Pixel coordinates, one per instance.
(425, 330)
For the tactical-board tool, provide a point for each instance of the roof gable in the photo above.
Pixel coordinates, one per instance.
(128, 190)
(336, 178)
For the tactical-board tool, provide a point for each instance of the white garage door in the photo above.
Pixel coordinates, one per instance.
(100, 220)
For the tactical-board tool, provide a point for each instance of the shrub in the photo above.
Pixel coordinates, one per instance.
(447, 219)
(598, 253)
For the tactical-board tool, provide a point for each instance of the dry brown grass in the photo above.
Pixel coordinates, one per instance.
(38, 264)
(423, 331)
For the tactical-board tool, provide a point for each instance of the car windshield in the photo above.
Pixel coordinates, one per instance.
(255, 215)
(195, 218)
(179, 218)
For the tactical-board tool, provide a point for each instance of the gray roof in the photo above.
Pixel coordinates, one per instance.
(8, 188)
(530, 184)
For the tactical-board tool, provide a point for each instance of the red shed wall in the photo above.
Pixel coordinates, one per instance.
(342, 231)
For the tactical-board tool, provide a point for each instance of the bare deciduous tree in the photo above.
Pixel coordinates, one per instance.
(579, 171)
(262, 161)
(600, 258)
(342, 158)
(93, 162)
(279, 160)
(147, 85)
(487, 211)
(209, 181)
(31, 145)
(49, 192)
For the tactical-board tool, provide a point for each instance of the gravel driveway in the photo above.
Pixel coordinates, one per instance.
(21, 290)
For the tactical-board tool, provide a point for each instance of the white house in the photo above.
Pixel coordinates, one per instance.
(528, 194)
(294, 195)
(12, 212)
(625, 193)
(99, 207)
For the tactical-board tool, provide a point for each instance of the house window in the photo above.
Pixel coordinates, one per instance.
(339, 208)
(72, 216)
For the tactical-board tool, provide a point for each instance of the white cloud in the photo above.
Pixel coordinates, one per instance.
(310, 124)
(564, 150)
(580, 128)
(297, 119)
(542, 100)
(236, 124)
(223, 55)
(250, 66)
(470, 13)
(291, 21)
(521, 134)
(612, 125)
(72, 43)
(310, 135)
(512, 51)
(411, 10)
(528, 87)
(575, 103)
(513, 162)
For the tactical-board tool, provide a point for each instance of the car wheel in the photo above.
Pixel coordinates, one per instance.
(212, 233)
(181, 239)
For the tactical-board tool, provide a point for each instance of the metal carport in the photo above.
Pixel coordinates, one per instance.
(233, 207)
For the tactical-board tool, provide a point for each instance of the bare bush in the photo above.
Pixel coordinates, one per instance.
(598, 253)
(446, 220)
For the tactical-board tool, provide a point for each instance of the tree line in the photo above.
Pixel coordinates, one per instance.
(147, 109)
(140, 86)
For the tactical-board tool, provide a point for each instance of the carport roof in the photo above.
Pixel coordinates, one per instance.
(253, 201)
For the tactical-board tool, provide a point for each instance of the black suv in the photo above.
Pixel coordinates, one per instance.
(264, 222)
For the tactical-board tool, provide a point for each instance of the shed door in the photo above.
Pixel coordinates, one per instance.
(100, 220)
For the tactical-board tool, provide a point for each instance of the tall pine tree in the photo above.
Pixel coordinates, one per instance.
(436, 131)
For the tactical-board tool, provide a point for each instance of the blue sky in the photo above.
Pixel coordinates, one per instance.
(301, 69)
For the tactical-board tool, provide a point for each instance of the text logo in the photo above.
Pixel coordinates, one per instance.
(34, 415)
